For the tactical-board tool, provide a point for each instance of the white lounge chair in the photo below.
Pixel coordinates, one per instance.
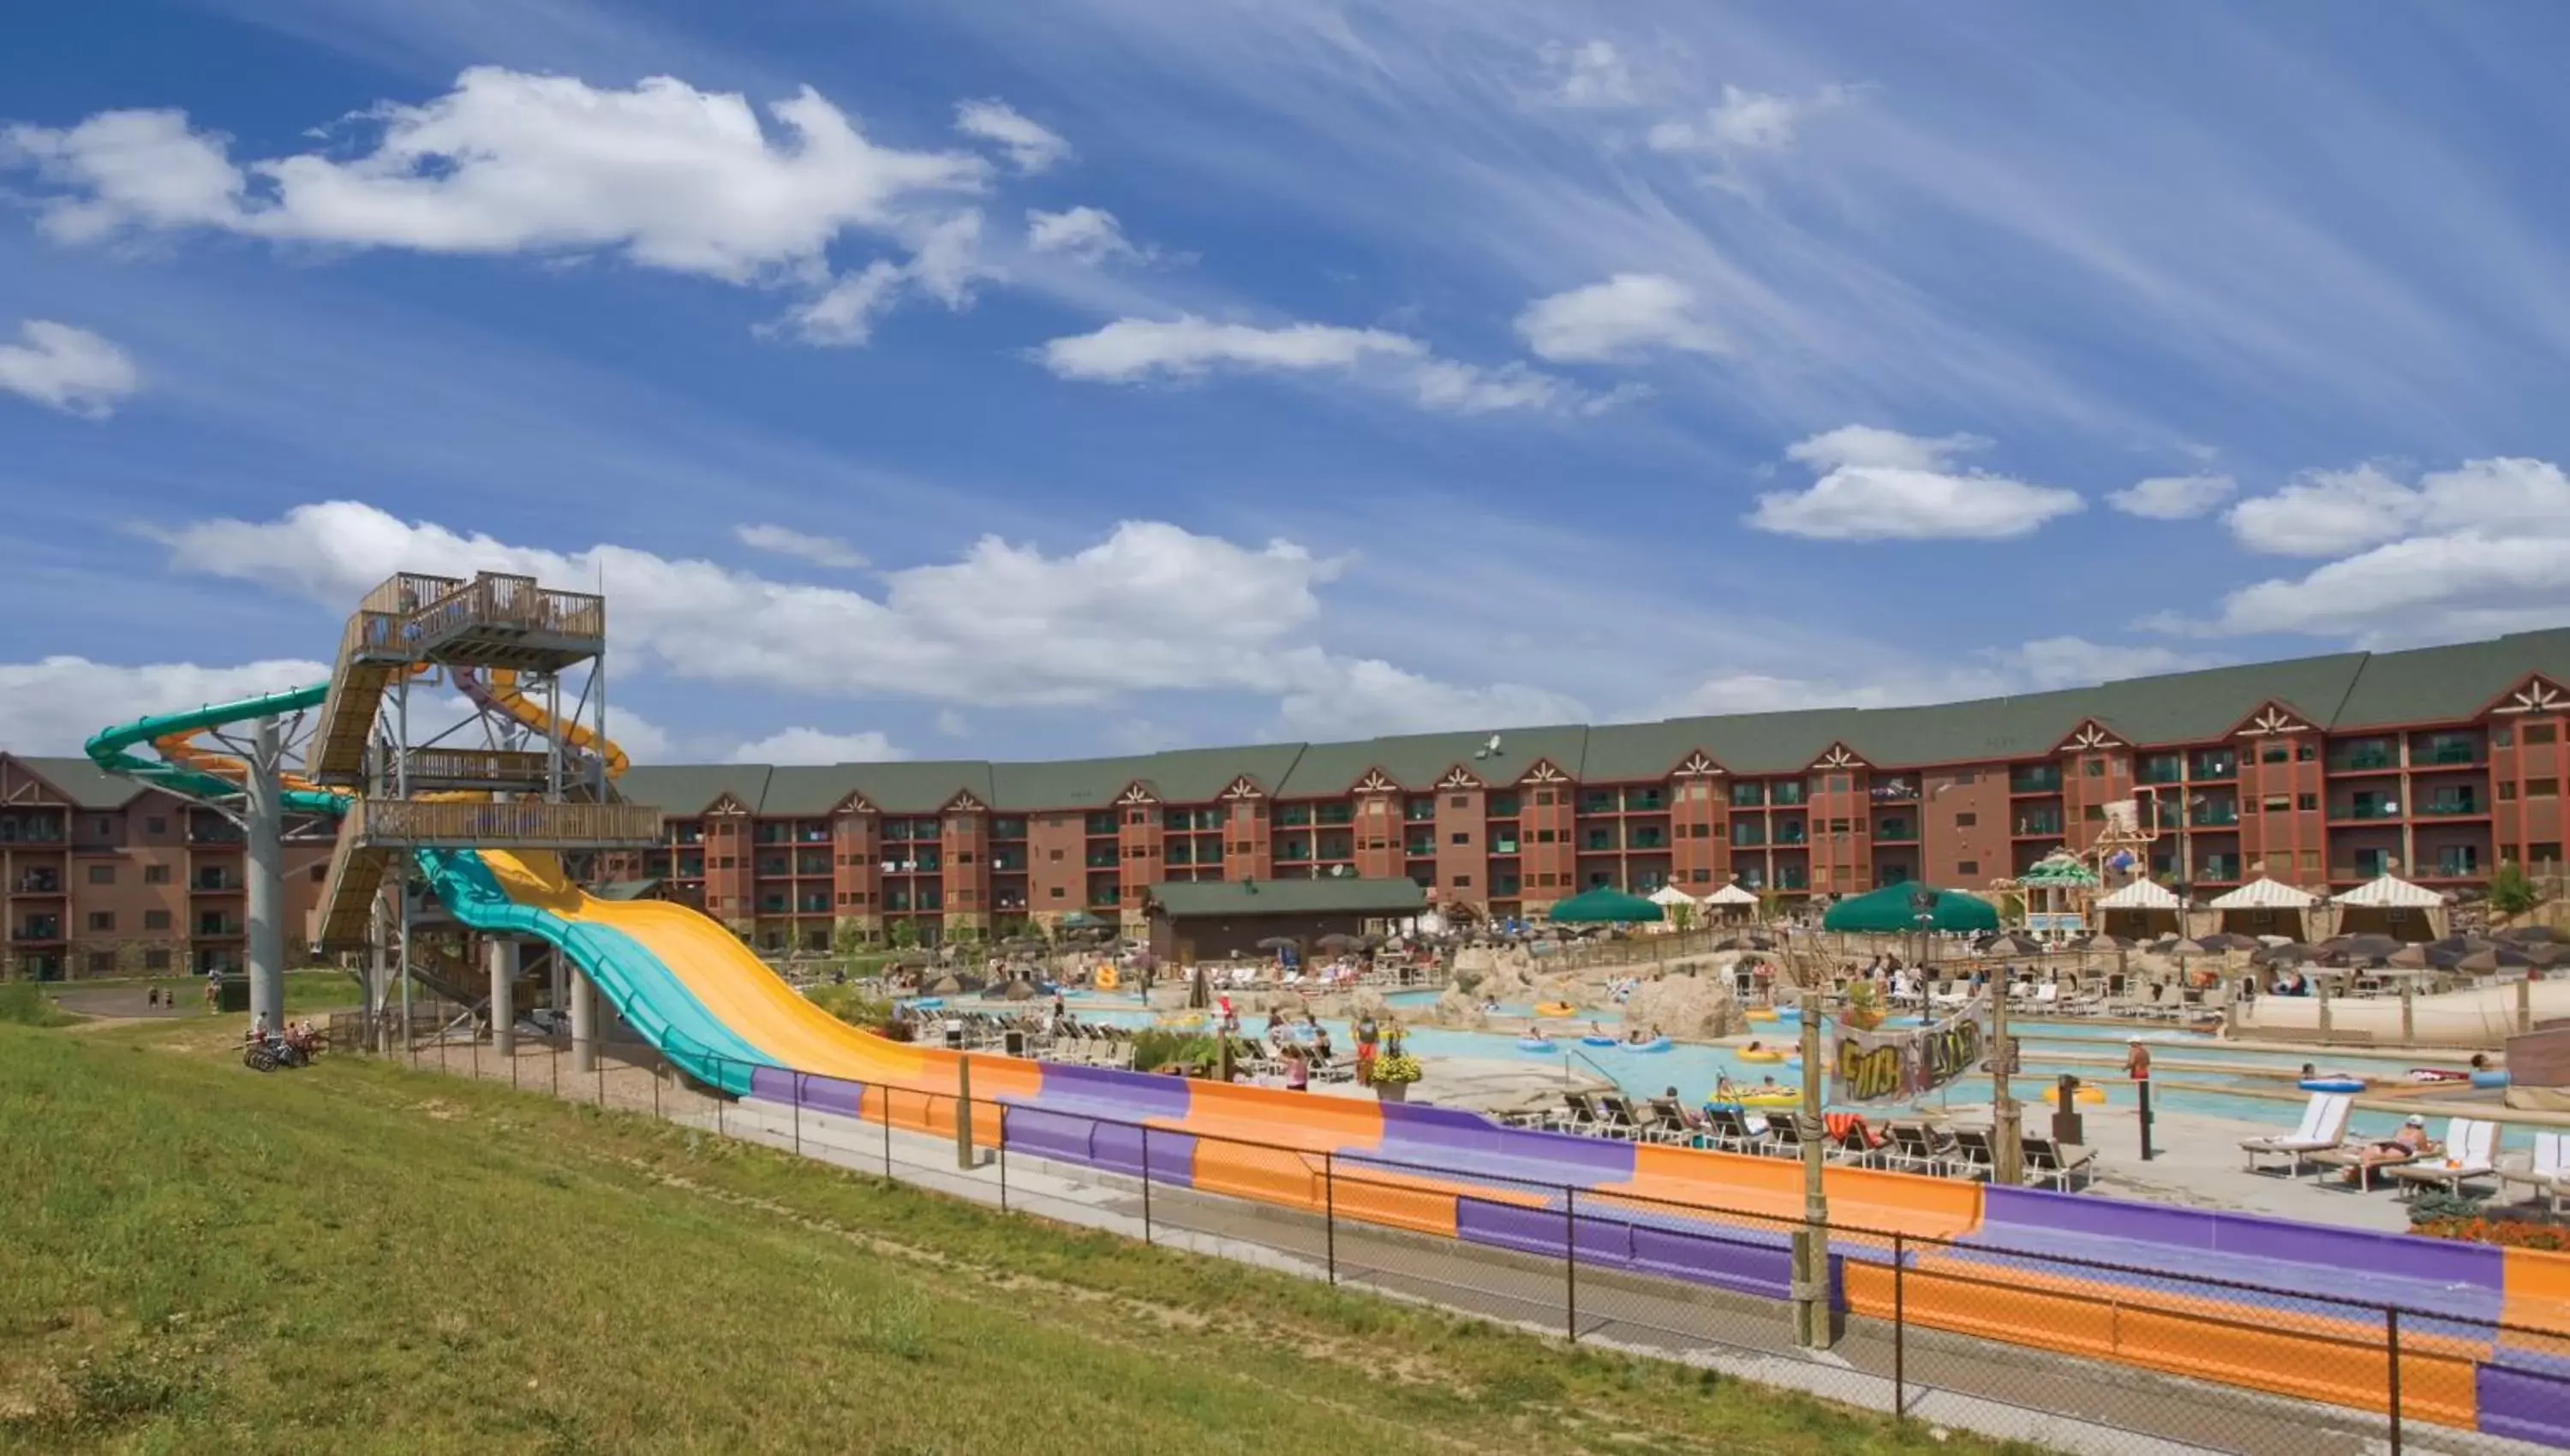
(2471, 1153)
(2323, 1126)
(2548, 1172)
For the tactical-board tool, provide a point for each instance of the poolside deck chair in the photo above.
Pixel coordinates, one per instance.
(2472, 1153)
(1668, 1123)
(2547, 1172)
(2055, 1163)
(1728, 1129)
(1579, 1114)
(1615, 1116)
(1915, 1145)
(2324, 1127)
(2352, 1156)
(1785, 1135)
(1974, 1155)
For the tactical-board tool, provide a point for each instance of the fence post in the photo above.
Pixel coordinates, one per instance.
(798, 1114)
(2392, 1344)
(1146, 1185)
(719, 1096)
(599, 1068)
(476, 1056)
(655, 1084)
(1330, 1210)
(1570, 1261)
(886, 1094)
(1900, 1330)
(555, 1048)
(1004, 1157)
(513, 1068)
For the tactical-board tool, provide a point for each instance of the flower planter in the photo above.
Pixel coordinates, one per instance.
(1392, 1091)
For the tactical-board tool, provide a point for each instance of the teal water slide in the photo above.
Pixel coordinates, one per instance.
(643, 990)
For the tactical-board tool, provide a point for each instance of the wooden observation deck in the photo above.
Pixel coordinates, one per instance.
(375, 830)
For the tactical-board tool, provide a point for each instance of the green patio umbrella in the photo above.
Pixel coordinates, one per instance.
(1889, 911)
(1602, 905)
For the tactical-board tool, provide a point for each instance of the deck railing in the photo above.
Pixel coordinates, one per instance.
(416, 823)
(491, 599)
(476, 766)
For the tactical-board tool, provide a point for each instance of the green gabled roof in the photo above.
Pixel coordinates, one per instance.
(918, 788)
(1418, 760)
(84, 783)
(686, 789)
(1182, 776)
(1180, 898)
(2447, 682)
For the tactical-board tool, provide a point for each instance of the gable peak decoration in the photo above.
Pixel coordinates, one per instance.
(1459, 777)
(963, 803)
(1137, 793)
(2539, 695)
(2272, 719)
(726, 803)
(855, 803)
(1544, 773)
(1698, 765)
(1244, 787)
(1838, 758)
(2092, 736)
(1375, 782)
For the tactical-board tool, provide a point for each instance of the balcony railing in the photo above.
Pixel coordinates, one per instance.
(37, 931)
(412, 822)
(2364, 811)
(1895, 791)
(1791, 834)
(2222, 766)
(2366, 761)
(40, 884)
(2036, 823)
(1742, 838)
(1504, 845)
(2159, 771)
(2214, 818)
(204, 883)
(2462, 804)
(1895, 832)
(1646, 839)
(2450, 753)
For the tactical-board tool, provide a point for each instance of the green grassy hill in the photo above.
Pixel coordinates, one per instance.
(197, 1258)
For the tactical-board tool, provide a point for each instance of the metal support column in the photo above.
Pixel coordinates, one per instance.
(266, 825)
(584, 1023)
(503, 958)
(1810, 1281)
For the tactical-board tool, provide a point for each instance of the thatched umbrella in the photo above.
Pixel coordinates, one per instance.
(2371, 947)
(2288, 954)
(1277, 942)
(949, 986)
(1019, 990)
(2409, 957)
(2492, 955)
(2529, 934)
(1335, 942)
(2012, 944)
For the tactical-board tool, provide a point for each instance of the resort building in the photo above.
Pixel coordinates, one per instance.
(2322, 772)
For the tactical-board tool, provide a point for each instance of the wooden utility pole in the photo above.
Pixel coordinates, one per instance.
(1811, 1289)
(2008, 1140)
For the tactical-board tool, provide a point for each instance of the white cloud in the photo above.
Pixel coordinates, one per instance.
(2470, 552)
(68, 369)
(2035, 666)
(1882, 485)
(1090, 235)
(663, 174)
(952, 724)
(1030, 147)
(1616, 319)
(1134, 350)
(52, 707)
(1592, 73)
(1005, 625)
(784, 541)
(813, 746)
(1746, 120)
(845, 313)
(643, 740)
(1361, 699)
(2172, 498)
(2328, 513)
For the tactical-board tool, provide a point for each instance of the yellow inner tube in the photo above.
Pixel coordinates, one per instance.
(2085, 1093)
(1759, 1015)
(1762, 1097)
(1105, 980)
(1762, 1056)
(1555, 1008)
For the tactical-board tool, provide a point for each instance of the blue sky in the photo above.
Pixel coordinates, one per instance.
(1014, 380)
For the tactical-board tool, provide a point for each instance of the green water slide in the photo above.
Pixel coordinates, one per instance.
(112, 748)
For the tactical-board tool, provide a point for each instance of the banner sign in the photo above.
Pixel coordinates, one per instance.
(1885, 1066)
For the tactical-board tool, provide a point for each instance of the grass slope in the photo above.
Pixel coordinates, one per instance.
(200, 1258)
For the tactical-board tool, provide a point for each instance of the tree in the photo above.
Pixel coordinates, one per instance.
(905, 934)
(1682, 919)
(2511, 890)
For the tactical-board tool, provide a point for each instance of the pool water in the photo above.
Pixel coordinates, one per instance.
(1693, 1069)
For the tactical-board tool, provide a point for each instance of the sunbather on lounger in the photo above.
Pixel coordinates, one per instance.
(2407, 1145)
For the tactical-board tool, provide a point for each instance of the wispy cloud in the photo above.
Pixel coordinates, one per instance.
(68, 369)
(784, 541)
(1882, 485)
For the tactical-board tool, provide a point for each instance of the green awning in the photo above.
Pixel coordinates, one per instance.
(2057, 869)
(1890, 911)
(1602, 905)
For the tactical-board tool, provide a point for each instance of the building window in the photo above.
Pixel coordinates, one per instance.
(2275, 753)
(1457, 801)
(1463, 881)
(1966, 821)
(1544, 836)
(1968, 866)
(1963, 779)
(2543, 788)
(2544, 854)
(155, 920)
(101, 920)
(1700, 877)
(156, 826)
(1544, 796)
(156, 960)
(102, 961)
(1056, 892)
(2306, 800)
(2507, 790)
(2093, 767)
(2536, 732)
(156, 873)
(101, 873)
(1054, 855)
(1461, 837)
(2277, 803)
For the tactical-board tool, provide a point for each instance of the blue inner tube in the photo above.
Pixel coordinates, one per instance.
(2489, 1079)
(2331, 1084)
(1656, 1043)
(1533, 1043)
(1599, 1041)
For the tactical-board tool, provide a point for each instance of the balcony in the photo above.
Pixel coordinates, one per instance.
(2453, 804)
(2365, 811)
(2216, 766)
(2165, 768)
(2227, 816)
(40, 882)
(1748, 796)
(1501, 805)
(1597, 802)
(1791, 834)
(213, 881)
(1895, 832)
(1645, 801)
(1787, 792)
(37, 932)
(2449, 753)
(1744, 836)
(813, 905)
(2034, 781)
(1895, 791)
(2370, 760)
(1597, 844)
(773, 865)
(1109, 859)
(811, 863)
(1503, 843)
(1648, 838)
(2036, 825)
(771, 905)
(220, 928)
(1104, 824)
(2220, 870)
(1012, 861)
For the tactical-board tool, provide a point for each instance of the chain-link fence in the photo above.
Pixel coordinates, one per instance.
(2003, 1337)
